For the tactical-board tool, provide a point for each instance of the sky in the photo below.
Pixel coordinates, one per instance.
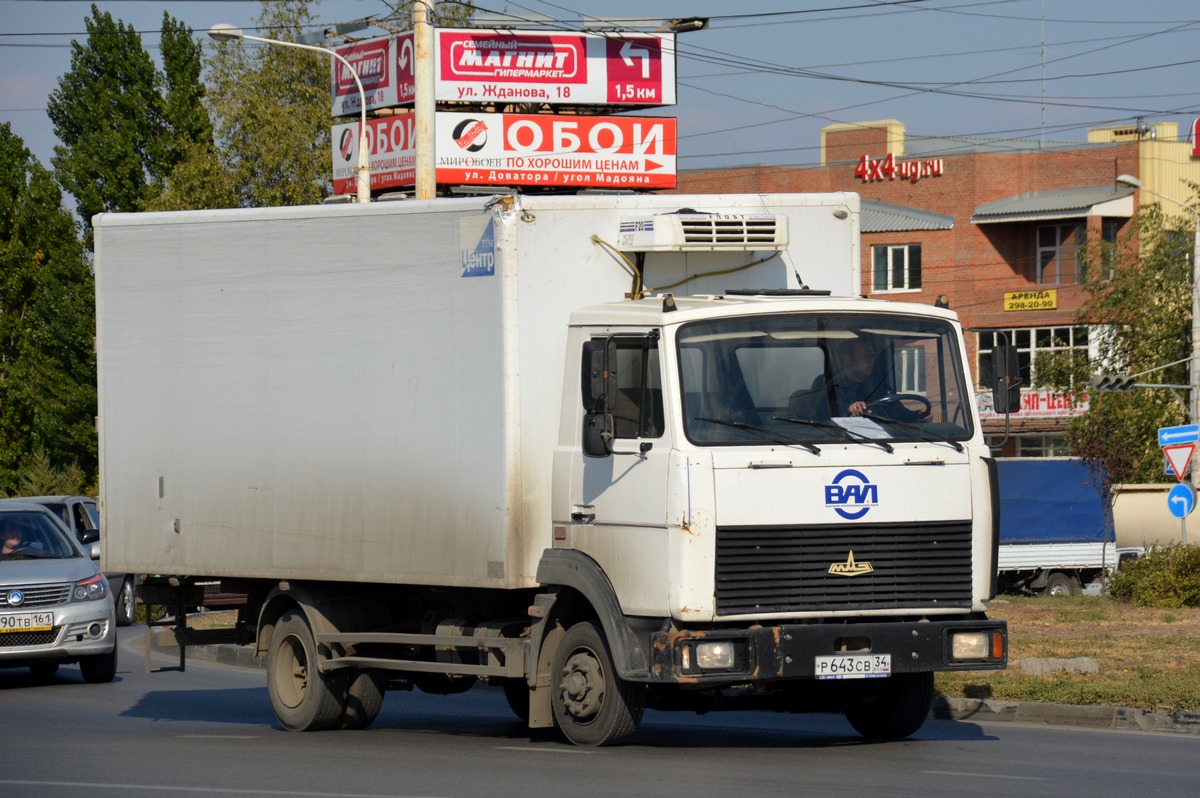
(760, 82)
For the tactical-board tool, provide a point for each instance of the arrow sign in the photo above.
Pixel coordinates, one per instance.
(1181, 500)
(1180, 457)
(1186, 433)
(629, 52)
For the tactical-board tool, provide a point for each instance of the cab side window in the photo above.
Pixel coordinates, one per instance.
(637, 407)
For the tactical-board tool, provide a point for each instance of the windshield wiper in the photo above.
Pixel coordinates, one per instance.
(921, 431)
(771, 436)
(848, 435)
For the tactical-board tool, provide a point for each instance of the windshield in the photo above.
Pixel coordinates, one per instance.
(787, 378)
(31, 535)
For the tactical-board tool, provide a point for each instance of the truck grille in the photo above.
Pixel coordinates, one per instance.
(773, 569)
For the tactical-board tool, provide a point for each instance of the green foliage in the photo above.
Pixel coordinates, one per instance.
(120, 136)
(39, 477)
(1139, 308)
(47, 365)
(270, 106)
(1165, 576)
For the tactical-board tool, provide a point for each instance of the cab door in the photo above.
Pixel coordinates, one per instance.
(618, 489)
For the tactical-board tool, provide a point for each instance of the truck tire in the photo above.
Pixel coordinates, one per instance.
(364, 698)
(891, 708)
(99, 668)
(516, 693)
(126, 602)
(1060, 584)
(304, 698)
(592, 704)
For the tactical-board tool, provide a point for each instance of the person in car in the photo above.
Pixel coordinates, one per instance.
(12, 537)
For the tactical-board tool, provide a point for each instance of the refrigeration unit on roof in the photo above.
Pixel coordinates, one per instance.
(702, 232)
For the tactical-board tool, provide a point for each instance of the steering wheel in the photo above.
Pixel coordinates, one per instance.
(896, 400)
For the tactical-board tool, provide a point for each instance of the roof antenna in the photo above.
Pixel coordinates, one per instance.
(788, 259)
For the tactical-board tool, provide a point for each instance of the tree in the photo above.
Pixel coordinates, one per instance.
(270, 106)
(120, 135)
(47, 365)
(1139, 308)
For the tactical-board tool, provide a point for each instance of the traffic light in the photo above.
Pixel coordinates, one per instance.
(1108, 382)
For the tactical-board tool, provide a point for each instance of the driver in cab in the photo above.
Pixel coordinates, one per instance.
(858, 386)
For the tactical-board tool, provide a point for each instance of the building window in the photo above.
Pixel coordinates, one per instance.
(1058, 253)
(897, 267)
(1029, 341)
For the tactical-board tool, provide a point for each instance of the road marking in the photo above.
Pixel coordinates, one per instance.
(168, 789)
(583, 751)
(218, 736)
(985, 775)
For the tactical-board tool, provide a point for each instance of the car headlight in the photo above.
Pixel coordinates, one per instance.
(93, 588)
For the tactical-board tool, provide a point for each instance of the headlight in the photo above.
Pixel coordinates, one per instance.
(969, 645)
(91, 589)
(715, 656)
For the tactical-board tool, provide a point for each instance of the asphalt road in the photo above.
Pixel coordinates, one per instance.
(210, 732)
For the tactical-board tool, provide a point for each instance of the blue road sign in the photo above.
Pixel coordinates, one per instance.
(1181, 500)
(1185, 433)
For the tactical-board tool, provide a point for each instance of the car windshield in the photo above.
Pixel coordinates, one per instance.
(807, 378)
(30, 534)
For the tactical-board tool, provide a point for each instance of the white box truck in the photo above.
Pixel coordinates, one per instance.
(586, 448)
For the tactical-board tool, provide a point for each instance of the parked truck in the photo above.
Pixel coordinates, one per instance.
(1054, 534)
(550, 443)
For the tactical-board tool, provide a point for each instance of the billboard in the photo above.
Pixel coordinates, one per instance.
(385, 67)
(516, 150)
(628, 70)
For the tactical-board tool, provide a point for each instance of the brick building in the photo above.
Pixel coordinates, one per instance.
(994, 226)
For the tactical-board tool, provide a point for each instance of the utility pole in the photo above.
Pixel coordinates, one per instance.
(425, 106)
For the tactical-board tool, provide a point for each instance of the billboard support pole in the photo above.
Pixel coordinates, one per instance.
(425, 105)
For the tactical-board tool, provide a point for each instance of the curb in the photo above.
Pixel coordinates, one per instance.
(992, 710)
(986, 710)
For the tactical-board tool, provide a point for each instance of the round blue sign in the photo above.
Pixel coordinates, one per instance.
(1181, 500)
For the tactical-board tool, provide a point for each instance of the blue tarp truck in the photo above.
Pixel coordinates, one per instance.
(1054, 538)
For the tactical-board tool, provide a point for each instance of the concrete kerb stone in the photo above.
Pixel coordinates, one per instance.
(984, 710)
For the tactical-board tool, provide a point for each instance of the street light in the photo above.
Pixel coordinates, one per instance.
(224, 32)
(1194, 362)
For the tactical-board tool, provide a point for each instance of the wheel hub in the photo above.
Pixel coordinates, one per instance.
(582, 686)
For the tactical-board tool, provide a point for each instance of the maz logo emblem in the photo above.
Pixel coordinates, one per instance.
(850, 567)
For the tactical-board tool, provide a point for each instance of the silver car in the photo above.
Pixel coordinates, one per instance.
(55, 605)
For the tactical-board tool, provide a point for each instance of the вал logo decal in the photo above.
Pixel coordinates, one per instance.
(346, 144)
(851, 494)
(470, 134)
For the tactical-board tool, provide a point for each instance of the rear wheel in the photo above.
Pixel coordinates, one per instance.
(364, 698)
(1060, 584)
(304, 698)
(891, 708)
(99, 668)
(592, 704)
(516, 692)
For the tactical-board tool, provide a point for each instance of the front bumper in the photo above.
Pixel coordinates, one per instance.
(775, 653)
(79, 630)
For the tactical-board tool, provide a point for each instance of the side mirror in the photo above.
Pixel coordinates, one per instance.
(89, 536)
(597, 434)
(93, 549)
(1006, 379)
(599, 385)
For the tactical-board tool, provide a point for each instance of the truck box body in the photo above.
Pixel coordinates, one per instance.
(1052, 526)
(372, 393)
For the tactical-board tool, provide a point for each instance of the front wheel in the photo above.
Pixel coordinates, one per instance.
(891, 708)
(99, 668)
(126, 600)
(304, 698)
(592, 704)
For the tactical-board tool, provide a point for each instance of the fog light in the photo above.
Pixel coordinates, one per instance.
(715, 656)
(969, 645)
(95, 630)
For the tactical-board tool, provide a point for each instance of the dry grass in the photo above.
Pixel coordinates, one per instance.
(1148, 658)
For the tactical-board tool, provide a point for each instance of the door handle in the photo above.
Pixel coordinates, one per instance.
(585, 516)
